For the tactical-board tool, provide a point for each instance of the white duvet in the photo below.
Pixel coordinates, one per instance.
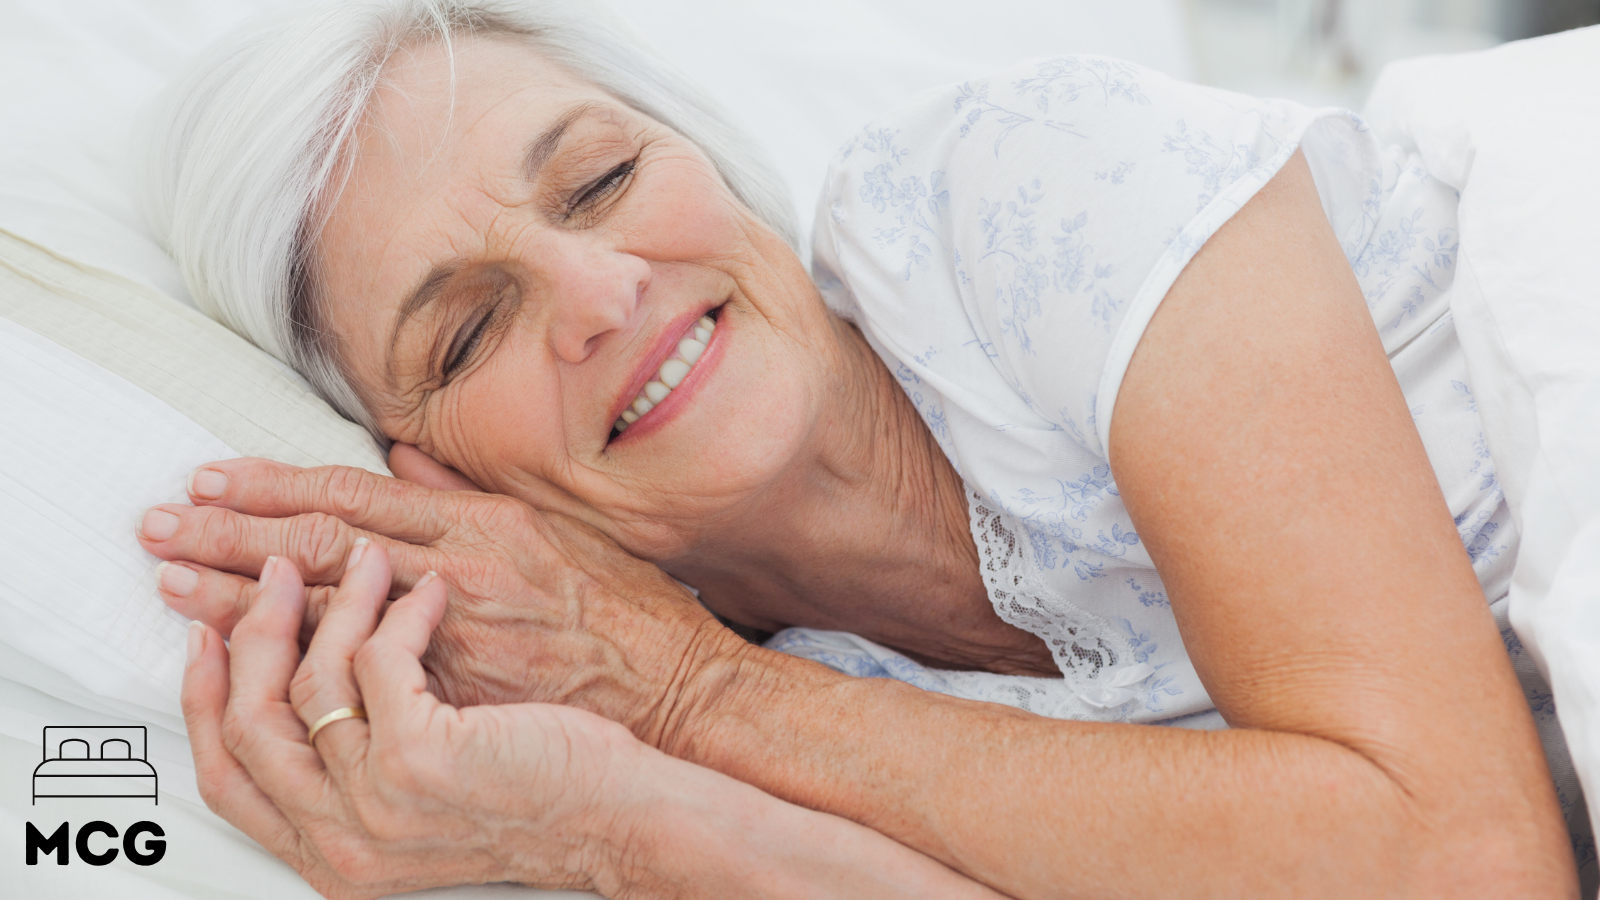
(1515, 129)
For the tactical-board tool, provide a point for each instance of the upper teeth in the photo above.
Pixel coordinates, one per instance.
(671, 374)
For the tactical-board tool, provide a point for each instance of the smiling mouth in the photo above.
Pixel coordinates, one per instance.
(673, 370)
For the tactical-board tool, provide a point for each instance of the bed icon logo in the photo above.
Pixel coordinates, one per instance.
(106, 761)
(100, 761)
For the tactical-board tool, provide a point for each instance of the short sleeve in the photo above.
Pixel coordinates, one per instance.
(1046, 211)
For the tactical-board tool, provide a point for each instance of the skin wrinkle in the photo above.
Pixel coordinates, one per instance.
(766, 469)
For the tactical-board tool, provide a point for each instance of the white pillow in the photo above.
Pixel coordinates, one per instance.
(113, 391)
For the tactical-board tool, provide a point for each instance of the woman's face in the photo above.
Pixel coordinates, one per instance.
(508, 273)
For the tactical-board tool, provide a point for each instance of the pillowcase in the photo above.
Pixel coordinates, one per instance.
(115, 392)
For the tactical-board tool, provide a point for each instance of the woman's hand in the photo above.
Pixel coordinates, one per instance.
(543, 607)
(418, 794)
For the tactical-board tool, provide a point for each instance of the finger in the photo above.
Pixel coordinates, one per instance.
(224, 784)
(317, 543)
(220, 599)
(409, 462)
(325, 681)
(388, 668)
(377, 503)
(263, 731)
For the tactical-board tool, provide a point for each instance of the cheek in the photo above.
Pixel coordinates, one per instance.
(689, 215)
(503, 421)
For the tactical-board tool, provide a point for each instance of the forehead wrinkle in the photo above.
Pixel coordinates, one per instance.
(536, 153)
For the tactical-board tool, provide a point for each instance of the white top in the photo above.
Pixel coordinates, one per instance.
(1003, 243)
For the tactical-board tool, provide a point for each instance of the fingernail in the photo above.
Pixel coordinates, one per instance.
(158, 525)
(427, 577)
(355, 553)
(197, 640)
(207, 484)
(179, 581)
(266, 569)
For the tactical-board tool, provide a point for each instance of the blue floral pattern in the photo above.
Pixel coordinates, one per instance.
(1002, 244)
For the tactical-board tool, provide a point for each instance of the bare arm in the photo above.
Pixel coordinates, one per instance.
(704, 834)
(1382, 745)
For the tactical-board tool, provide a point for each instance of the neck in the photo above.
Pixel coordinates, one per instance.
(869, 534)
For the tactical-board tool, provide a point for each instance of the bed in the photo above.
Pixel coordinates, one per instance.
(114, 386)
(90, 761)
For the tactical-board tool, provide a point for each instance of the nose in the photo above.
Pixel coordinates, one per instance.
(593, 290)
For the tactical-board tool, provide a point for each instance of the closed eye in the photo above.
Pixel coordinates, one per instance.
(601, 189)
(502, 304)
(465, 344)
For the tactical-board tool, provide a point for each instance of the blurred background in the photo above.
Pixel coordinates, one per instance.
(1330, 51)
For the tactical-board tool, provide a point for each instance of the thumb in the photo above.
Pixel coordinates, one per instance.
(411, 464)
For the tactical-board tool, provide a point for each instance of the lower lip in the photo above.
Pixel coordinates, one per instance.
(673, 403)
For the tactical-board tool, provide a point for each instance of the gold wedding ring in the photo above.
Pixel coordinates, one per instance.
(343, 712)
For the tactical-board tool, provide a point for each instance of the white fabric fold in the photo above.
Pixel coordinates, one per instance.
(1514, 129)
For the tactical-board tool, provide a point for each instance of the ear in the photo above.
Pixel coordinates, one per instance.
(410, 464)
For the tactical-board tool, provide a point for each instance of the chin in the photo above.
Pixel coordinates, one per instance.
(719, 489)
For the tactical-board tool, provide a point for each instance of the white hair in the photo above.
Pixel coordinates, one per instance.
(247, 153)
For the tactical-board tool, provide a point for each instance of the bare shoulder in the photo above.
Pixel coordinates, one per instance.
(1268, 460)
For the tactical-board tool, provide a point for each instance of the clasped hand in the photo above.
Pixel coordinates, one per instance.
(542, 606)
(418, 793)
(454, 778)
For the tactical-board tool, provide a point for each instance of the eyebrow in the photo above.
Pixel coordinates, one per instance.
(534, 158)
(541, 148)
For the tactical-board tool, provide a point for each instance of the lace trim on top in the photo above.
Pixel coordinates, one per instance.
(1088, 651)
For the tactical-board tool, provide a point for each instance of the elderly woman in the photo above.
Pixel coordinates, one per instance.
(507, 245)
